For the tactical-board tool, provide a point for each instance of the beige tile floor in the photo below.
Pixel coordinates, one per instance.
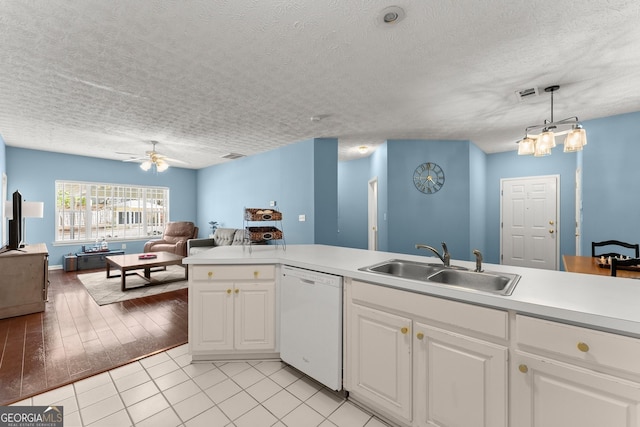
(167, 390)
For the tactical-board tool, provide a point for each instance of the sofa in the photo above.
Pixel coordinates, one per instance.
(221, 237)
(174, 238)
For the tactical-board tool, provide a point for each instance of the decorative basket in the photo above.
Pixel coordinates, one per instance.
(256, 234)
(252, 214)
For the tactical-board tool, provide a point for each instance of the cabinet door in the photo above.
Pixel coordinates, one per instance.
(548, 393)
(212, 327)
(460, 381)
(379, 359)
(255, 315)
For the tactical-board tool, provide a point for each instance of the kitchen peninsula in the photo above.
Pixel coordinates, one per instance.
(563, 347)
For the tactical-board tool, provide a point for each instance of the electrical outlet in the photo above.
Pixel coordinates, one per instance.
(272, 203)
(302, 218)
(124, 246)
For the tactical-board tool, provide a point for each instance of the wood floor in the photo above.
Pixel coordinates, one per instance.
(75, 338)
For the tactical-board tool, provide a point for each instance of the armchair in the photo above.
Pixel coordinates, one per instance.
(174, 238)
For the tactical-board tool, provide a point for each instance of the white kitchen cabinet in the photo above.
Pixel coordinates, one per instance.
(565, 375)
(232, 311)
(549, 393)
(460, 381)
(425, 361)
(380, 359)
(254, 316)
(211, 313)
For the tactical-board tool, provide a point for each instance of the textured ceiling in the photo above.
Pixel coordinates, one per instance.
(204, 78)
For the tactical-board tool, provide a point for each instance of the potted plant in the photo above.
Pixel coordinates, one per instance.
(213, 225)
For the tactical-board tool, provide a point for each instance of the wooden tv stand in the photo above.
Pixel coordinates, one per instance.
(24, 280)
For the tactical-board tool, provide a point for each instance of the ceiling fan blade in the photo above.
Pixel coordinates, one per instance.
(136, 159)
(170, 160)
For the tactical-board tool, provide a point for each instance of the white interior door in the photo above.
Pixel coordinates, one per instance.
(529, 233)
(373, 214)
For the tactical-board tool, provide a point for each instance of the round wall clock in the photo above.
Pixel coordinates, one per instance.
(428, 178)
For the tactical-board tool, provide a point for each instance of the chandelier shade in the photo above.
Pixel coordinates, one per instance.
(540, 144)
(575, 140)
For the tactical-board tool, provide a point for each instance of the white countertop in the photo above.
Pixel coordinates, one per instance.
(606, 303)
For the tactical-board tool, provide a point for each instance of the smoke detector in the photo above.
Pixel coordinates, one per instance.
(391, 15)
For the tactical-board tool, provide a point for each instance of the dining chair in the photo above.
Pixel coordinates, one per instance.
(594, 245)
(615, 263)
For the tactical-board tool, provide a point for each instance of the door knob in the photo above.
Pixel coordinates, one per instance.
(551, 222)
(523, 368)
(404, 330)
(551, 231)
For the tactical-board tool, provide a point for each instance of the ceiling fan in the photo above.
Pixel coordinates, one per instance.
(153, 159)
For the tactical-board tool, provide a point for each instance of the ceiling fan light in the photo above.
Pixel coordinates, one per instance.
(146, 165)
(526, 147)
(162, 166)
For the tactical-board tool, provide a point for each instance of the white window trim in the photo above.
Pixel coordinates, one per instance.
(111, 228)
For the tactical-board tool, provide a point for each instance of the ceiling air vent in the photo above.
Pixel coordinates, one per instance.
(232, 156)
(526, 93)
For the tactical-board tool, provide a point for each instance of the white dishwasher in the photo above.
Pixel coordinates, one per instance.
(311, 324)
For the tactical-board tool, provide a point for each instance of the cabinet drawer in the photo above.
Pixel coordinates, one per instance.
(232, 272)
(483, 320)
(578, 343)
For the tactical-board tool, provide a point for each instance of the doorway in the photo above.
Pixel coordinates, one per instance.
(529, 233)
(372, 204)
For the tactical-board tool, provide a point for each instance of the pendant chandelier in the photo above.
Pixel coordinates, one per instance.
(540, 139)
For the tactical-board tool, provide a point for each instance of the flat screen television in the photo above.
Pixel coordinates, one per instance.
(15, 224)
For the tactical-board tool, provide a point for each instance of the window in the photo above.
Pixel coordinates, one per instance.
(87, 211)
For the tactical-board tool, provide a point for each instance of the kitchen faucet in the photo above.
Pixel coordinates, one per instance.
(478, 255)
(445, 257)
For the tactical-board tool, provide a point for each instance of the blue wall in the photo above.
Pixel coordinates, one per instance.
(609, 170)
(477, 198)
(306, 179)
(353, 180)
(415, 217)
(405, 215)
(379, 170)
(3, 169)
(510, 165)
(301, 178)
(34, 173)
(3, 156)
(611, 206)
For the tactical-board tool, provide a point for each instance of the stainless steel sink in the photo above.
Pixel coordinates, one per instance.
(491, 282)
(496, 283)
(404, 269)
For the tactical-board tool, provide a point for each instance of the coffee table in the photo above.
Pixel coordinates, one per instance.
(132, 262)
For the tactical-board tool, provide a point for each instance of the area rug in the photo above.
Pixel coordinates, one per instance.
(107, 291)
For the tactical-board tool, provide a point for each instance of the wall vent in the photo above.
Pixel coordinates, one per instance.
(233, 156)
(527, 93)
